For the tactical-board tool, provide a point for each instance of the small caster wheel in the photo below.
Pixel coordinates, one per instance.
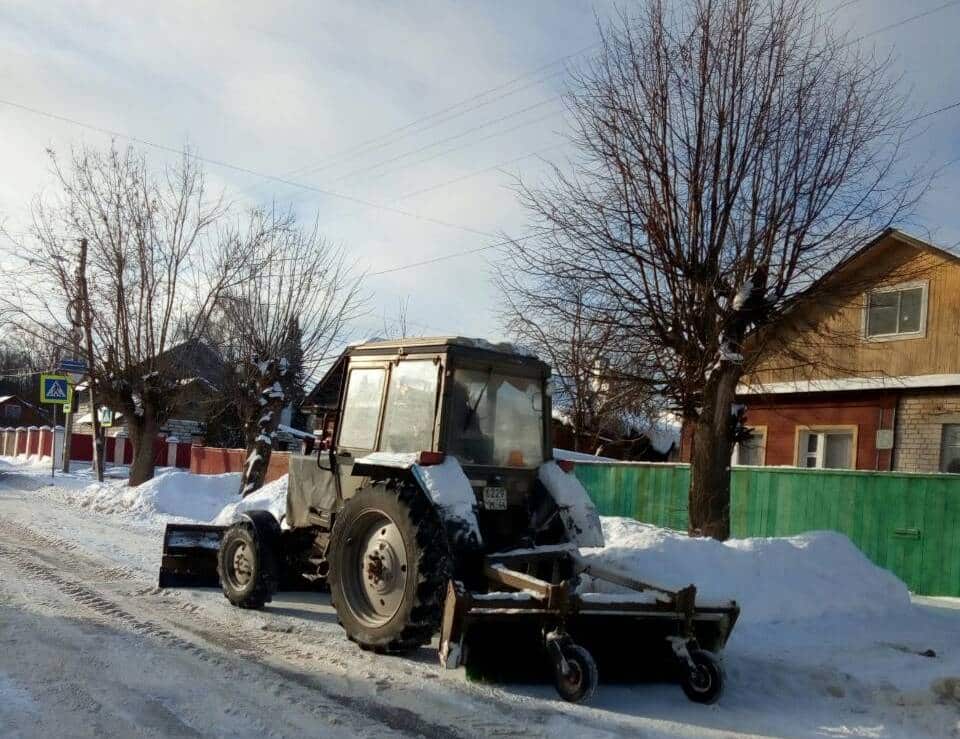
(704, 683)
(580, 680)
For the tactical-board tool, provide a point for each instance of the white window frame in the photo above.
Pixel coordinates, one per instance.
(801, 454)
(761, 431)
(905, 335)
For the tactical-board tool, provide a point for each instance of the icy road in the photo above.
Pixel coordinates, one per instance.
(90, 647)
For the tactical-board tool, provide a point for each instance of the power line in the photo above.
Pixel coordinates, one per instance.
(460, 135)
(454, 106)
(244, 170)
(904, 21)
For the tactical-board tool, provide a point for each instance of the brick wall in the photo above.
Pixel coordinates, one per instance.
(208, 460)
(920, 419)
(780, 415)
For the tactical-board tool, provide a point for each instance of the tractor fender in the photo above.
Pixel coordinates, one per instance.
(577, 511)
(266, 528)
(445, 485)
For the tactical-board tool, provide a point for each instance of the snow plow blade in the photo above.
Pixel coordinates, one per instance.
(190, 555)
(648, 632)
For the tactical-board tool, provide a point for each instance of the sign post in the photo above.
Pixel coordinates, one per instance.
(75, 369)
(55, 390)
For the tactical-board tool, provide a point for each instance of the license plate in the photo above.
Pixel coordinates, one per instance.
(495, 499)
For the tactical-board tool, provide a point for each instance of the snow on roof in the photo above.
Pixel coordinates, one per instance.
(465, 341)
(850, 383)
(5, 398)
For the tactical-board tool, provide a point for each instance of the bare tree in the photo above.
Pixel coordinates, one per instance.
(286, 316)
(156, 267)
(596, 385)
(396, 326)
(728, 153)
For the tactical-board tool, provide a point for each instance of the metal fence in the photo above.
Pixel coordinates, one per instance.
(908, 523)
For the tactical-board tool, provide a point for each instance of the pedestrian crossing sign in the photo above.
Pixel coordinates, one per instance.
(55, 389)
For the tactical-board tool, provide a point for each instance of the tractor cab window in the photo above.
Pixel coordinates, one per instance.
(361, 411)
(496, 419)
(411, 407)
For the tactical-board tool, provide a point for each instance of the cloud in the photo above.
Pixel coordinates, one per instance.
(296, 88)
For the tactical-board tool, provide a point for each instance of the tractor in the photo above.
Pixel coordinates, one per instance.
(437, 506)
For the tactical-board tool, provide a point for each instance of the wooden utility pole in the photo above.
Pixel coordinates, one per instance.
(73, 315)
(87, 320)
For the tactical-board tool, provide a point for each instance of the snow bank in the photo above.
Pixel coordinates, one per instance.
(271, 497)
(180, 495)
(173, 494)
(809, 576)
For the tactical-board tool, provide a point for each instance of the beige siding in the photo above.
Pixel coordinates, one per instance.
(826, 339)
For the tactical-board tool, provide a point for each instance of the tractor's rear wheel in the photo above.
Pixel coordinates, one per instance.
(389, 565)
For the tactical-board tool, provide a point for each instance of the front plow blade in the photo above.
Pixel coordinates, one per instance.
(190, 555)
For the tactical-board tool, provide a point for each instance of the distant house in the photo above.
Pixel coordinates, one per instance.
(201, 372)
(15, 411)
(881, 387)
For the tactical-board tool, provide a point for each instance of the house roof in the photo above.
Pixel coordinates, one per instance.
(863, 382)
(877, 241)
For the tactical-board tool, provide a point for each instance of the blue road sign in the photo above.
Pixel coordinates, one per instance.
(73, 365)
(55, 389)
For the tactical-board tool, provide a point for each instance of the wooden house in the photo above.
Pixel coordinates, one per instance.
(867, 377)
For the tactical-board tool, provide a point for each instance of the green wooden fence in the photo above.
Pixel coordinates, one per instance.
(908, 523)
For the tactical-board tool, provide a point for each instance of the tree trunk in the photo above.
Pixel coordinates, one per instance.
(271, 400)
(142, 437)
(713, 439)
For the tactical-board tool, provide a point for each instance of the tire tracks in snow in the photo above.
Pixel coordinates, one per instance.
(69, 569)
(348, 709)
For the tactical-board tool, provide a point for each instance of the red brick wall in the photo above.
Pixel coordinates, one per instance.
(781, 415)
(209, 460)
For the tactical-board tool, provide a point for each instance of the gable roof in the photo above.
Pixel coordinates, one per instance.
(880, 240)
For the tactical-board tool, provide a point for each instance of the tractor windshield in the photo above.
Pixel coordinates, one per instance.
(496, 419)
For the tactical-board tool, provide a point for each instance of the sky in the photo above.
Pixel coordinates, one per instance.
(406, 125)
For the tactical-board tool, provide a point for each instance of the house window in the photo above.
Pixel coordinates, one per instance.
(11, 410)
(950, 448)
(751, 451)
(826, 449)
(896, 312)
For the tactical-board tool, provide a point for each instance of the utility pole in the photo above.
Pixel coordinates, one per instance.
(73, 315)
(87, 320)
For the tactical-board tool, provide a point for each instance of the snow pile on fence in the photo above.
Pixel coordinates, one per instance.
(172, 494)
(271, 497)
(808, 576)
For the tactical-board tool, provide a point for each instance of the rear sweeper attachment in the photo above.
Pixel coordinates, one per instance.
(439, 508)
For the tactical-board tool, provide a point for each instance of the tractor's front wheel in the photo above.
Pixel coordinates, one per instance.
(389, 565)
(248, 567)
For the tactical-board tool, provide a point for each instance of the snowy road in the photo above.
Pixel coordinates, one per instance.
(90, 647)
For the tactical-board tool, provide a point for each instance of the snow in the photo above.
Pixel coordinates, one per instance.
(851, 383)
(445, 483)
(171, 495)
(805, 577)
(450, 490)
(842, 658)
(271, 497)
(576, 509)
(402, 460)
(295, 432)
(567, 455)
(743, 294)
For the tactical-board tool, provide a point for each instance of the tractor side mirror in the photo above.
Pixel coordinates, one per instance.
(325, 459)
